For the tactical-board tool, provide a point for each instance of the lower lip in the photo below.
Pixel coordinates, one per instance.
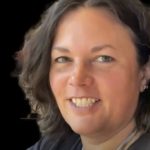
(85, 110)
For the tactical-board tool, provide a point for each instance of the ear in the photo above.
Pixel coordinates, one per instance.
(145, 78)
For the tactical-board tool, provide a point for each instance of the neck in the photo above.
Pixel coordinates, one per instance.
(109, 141)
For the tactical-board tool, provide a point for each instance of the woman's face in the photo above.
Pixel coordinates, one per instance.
(94, 72)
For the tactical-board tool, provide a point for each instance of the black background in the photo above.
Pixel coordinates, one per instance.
(16, 18)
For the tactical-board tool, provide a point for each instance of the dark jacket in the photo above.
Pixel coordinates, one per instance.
(73, 142)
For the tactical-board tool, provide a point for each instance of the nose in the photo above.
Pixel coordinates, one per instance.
(81, 76)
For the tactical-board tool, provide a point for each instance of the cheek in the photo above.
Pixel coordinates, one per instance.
(120, 89)
(122, 80)
(57, 82)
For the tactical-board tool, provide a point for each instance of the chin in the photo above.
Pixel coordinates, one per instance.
(83, 129)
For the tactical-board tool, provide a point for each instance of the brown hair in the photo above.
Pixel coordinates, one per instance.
(34, 58)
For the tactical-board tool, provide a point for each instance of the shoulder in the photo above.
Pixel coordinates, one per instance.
(60, 143)
(142, 143)
(42, 143)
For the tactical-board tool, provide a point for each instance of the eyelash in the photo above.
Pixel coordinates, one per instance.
(99, 59)
(104, 59)
(62, 59)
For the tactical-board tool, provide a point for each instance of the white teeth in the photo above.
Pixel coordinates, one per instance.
(83, 102)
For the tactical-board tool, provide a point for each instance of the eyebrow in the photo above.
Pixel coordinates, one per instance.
(94, 49)
(99, 48)
(62, 49)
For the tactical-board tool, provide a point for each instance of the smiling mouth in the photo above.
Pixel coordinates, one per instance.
(84, 102)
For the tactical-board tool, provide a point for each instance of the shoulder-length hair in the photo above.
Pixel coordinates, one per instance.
(35, 57)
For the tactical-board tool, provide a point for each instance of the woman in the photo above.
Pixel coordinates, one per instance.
(85, 70)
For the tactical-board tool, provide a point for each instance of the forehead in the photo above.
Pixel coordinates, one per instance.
(97, 15)
(91, 16)
(89, 12)
(90, 24)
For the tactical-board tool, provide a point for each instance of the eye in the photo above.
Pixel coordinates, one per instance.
(62, 59)
(104, 59)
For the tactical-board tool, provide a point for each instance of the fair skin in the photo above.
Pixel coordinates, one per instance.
(95, 77)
